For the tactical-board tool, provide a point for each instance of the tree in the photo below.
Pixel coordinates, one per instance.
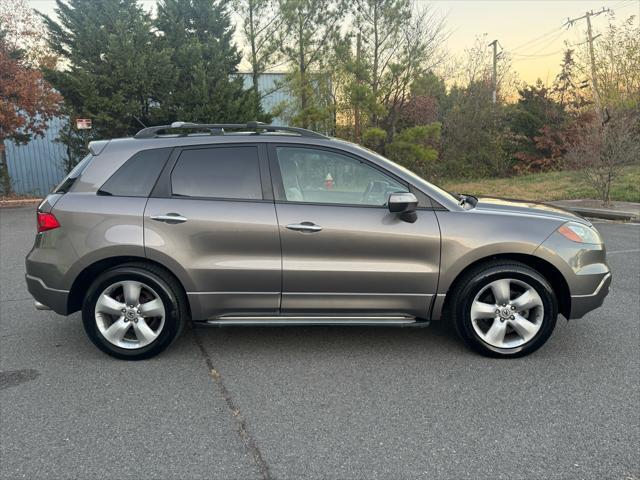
(23, 32)
(603, 149)
(260, 28)
(538, 123)
(617, 54)
(474, 134)
(114, 72)
(203, 87)
(380, 24)
(419, 110)
(310, 28)
(565, 86)
(416, 148)
(27, 101)
(400, 42)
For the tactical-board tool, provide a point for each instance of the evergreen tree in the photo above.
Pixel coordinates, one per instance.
(198, 33)
(115, 73)
(311, 30)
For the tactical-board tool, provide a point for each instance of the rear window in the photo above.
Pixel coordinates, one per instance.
(68, 181)
(138, 174)
(221, 172)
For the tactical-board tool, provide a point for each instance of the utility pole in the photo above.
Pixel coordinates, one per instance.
(590, 38)
(494, 78)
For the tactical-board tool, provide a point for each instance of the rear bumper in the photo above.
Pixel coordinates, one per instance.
(582, 304)
(53, 298)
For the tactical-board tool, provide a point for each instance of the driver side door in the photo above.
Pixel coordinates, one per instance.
(343, 252)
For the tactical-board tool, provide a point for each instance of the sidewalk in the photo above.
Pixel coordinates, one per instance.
(622, 211)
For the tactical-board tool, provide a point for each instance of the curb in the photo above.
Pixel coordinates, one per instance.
(600, 213)
(21, 202)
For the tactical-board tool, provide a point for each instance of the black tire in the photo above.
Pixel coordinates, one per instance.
(466, 289)
(168, 290)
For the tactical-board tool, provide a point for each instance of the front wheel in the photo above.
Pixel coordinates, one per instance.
(133, 311)
(504, 309)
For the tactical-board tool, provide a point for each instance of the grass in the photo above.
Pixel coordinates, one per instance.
(566, 185)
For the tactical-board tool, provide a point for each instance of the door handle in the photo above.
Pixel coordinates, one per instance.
(169, 218)
(308, 227)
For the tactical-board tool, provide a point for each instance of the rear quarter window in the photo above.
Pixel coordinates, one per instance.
(219, 172)
(137, 176)
(69, 180)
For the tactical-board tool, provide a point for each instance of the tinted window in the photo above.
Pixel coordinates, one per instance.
(321, 176)
(73, 175)
(223, 172)
(138, 174)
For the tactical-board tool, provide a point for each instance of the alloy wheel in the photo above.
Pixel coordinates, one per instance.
(507, 313)
(129, 314)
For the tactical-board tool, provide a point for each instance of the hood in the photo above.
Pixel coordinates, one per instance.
(523, 207)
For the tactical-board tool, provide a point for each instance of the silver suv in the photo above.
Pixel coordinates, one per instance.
(257, 224)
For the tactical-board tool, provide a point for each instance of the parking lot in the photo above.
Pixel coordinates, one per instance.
(319, 402)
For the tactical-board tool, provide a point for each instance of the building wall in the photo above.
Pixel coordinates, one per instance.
(270, 85)
(38, 166)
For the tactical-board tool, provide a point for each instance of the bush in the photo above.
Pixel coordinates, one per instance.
(374, 138)
(415, 148)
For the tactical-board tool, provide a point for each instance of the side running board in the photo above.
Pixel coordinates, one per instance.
(314, 320)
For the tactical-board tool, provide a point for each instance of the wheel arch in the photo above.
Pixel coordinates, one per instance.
(83, 281)
(545, 268)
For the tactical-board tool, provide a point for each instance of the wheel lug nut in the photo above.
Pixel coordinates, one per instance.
(513, 307)
(512, 317)
(497, 311)
(123, 310)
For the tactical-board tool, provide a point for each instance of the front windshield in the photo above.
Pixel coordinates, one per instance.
(443, 192)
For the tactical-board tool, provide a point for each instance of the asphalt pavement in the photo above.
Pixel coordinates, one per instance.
(319, 402)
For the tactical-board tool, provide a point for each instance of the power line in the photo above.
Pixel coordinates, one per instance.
(538, 39)
(544, 47)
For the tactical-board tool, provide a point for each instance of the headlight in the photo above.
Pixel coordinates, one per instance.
(576, 232)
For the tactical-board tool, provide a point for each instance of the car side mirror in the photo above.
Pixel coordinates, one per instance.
(405, 204)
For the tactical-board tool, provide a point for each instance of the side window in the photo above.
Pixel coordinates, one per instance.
(68, 181)
(321, 176)
(220, 172)
(138, 174)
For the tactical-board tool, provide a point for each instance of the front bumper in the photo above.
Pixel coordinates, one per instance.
(56, 300)
(582, 304)
(584, 268)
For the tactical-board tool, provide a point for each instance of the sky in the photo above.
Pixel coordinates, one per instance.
(531, 31)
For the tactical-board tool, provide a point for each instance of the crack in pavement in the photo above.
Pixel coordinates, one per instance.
(248, 441)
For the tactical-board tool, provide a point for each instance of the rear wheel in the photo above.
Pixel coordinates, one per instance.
(504, 309)
(133, 311)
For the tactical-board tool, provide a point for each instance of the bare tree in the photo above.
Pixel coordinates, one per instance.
(603, 149)
(260, 29)
(420, 51)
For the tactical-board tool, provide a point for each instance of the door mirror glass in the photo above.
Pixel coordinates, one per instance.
(402, 202)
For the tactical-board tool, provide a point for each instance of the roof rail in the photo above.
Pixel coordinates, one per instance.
(218, 129)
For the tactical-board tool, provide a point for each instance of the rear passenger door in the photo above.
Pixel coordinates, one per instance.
(211, 217)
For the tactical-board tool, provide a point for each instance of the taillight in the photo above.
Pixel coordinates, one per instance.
(47, 221)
